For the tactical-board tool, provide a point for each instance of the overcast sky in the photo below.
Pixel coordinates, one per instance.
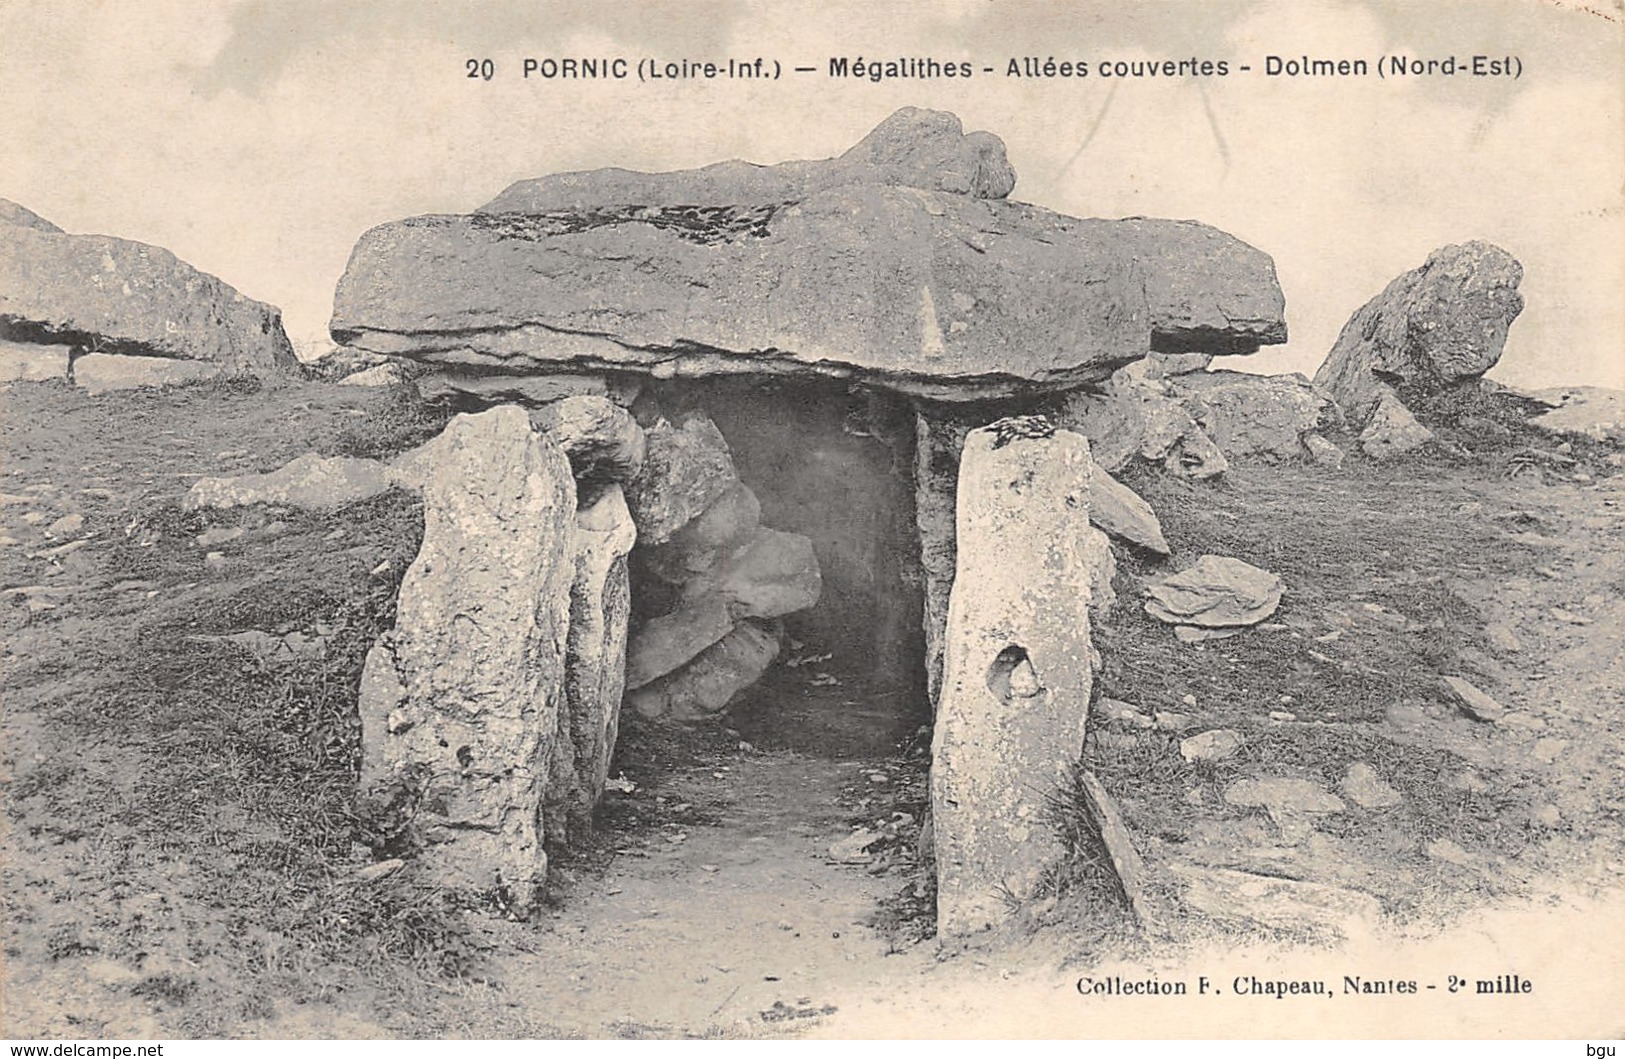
(258, 140)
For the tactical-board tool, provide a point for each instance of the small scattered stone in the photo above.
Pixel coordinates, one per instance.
(218, 536)
(1569, 617)
(1119, 712)
(1365, 788)
(1214, 745)
(1451, 853)
(1548, 750)
(1322, 451)
(1474, 703)
(215, 558)
(1502, 638)
(384, 868)
(851, 849)
(1283, 793)
(1215, 591)
(66, 524)
(1169, 721)
(1545, 815)
(1282, 715)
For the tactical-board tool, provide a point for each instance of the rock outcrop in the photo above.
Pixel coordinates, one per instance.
(1434, 329)
(1018, 668)
(116, 296)
(460, 703)
(946, 289)
(1270, 416)
(1135, 417)
(1171, 412)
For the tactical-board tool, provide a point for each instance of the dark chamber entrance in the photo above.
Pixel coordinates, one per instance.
(837, 467)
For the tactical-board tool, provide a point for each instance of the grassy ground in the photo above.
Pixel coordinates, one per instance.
(180, 794)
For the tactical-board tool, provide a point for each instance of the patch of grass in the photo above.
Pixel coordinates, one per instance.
(398, 421)
(1368, 620)
(168, 756)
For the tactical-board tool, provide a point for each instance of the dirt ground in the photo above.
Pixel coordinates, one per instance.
(178, 850)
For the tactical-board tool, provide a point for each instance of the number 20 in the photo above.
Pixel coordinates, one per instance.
(483, 69)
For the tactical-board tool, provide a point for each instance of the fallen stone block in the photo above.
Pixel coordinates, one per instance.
(99, 373)
(1214, 591)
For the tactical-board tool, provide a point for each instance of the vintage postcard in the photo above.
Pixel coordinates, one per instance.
(744, 520)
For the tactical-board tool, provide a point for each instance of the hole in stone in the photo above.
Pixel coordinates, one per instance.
(1011, 674)
(465, 756)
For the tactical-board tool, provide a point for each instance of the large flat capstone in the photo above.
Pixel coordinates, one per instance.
(118, 296)
(899, 263)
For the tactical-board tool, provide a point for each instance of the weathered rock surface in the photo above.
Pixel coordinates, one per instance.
(1215, 591)
(923, 149)
(1322, 451)
(1194, 421)
(1283, 794)
(98, 373)
(1363, 786)
(735, 269)
(357, 367)
(1165, 365)
(1392, 430)
(687, 468)
(377, 375)
(1475, 703)
(1137, 417)
(33, 362)
(594, 668)
(1292, 803)
(1017, 672)
(319, 483)
(602, 440)
(1434, 328)
(1275, 903)
(483, 389)
(1121, 512)
(720, 574)
(118, 296)
(1114, 836)
(1257, 415)
(772, 574)
(710, 681)
(699, 547)
(1216, 744)
(21, 216)
(939, 438)
(459, 704)
(668, 641)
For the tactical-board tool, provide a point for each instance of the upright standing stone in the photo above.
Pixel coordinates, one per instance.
(594, 667)
(460, 702)
(939, 436)
(1017, 669)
